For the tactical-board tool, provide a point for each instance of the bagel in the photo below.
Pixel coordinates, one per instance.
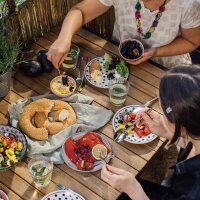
(41, 118)
(28, 113)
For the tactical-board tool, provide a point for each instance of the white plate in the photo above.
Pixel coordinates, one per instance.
(98, 164)
(105, 80)
(63, 195)
(133, 138)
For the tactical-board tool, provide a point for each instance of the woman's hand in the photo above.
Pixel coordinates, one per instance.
(58, 51)
(123, 181)
(155, 122)
(150, 53)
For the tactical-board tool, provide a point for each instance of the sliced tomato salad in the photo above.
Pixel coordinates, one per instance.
(80, 152)
(126, 121)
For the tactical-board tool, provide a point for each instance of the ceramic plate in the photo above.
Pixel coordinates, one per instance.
(105, 80)
(133, 138)
(9, 130)
(63, 195)
(97, 164)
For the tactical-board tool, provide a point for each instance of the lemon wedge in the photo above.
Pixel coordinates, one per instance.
(99, 152)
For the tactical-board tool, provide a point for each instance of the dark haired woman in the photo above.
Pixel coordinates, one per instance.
(179, 95)
(170, 28)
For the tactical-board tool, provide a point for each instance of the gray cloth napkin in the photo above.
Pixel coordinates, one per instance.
(89, 118)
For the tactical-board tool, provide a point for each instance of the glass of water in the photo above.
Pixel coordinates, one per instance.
(41, 172)
(71, 58)
(118, 90)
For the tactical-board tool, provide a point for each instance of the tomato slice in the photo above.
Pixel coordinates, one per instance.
(132, 116)
(139, 131)
(147, 130)
(80, 164)
(70, 146)
(89, 165)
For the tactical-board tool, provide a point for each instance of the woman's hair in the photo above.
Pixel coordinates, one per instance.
(180, 99)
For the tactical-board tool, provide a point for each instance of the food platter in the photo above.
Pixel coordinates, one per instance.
(63, 194)
(97, 163)
(105, 73)
(132, 138)
(13, 147)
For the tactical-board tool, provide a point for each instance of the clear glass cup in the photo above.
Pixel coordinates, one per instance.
(118, 90)
(41, 172)
(71, 59)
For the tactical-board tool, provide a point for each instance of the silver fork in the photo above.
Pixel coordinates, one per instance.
(105, 160)
(78, 78)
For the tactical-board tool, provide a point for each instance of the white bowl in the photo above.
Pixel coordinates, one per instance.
(141, 45)
(59, 78)
(3, 195)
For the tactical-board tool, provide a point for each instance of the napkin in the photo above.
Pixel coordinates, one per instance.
(89, 118)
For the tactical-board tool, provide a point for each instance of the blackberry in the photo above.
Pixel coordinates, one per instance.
(65, 80)
(71, 89)
(110, 76)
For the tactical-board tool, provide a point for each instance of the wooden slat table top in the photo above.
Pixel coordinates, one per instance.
(144, 81)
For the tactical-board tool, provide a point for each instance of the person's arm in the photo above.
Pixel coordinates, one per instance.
(187, 42)
(80, 14)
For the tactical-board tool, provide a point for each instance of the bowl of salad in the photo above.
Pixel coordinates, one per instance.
(13, 146)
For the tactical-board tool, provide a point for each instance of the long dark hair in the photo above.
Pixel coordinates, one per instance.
(180, 99)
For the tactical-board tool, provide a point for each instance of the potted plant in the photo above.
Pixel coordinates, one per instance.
(9, 55)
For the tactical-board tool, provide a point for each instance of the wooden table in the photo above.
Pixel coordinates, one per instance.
(144, 81)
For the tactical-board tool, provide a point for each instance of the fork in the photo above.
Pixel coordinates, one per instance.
(78, 78)
(104, 160)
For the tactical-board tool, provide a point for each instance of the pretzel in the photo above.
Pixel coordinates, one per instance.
(28, 113)
(41, 118)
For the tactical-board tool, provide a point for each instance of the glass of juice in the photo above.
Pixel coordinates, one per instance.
(71, 58)
(41, 172)
(118, 90)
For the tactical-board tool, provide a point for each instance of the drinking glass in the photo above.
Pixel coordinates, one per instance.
(71, 58)
(41, 172)
(118, 90)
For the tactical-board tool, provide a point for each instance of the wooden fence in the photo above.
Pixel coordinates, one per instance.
(36, 17)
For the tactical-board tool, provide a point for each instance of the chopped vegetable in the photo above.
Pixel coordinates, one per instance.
(10, 150)
(121, 68)
(126, 121)
(115, 63)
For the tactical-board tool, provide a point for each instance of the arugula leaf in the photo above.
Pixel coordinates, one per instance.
(121, 68)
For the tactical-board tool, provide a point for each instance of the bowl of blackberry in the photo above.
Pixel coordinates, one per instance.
(131, 49)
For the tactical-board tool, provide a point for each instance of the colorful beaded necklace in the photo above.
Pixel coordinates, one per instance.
(154, 24)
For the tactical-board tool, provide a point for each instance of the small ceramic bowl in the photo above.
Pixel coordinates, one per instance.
(58, 79)
(131, 49)
(3, 195)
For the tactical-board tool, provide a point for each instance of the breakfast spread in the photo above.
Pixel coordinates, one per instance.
(63, 85)
(10, 150)
(85, 151)
(126, 121)
(39, 111)
(95, 71)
